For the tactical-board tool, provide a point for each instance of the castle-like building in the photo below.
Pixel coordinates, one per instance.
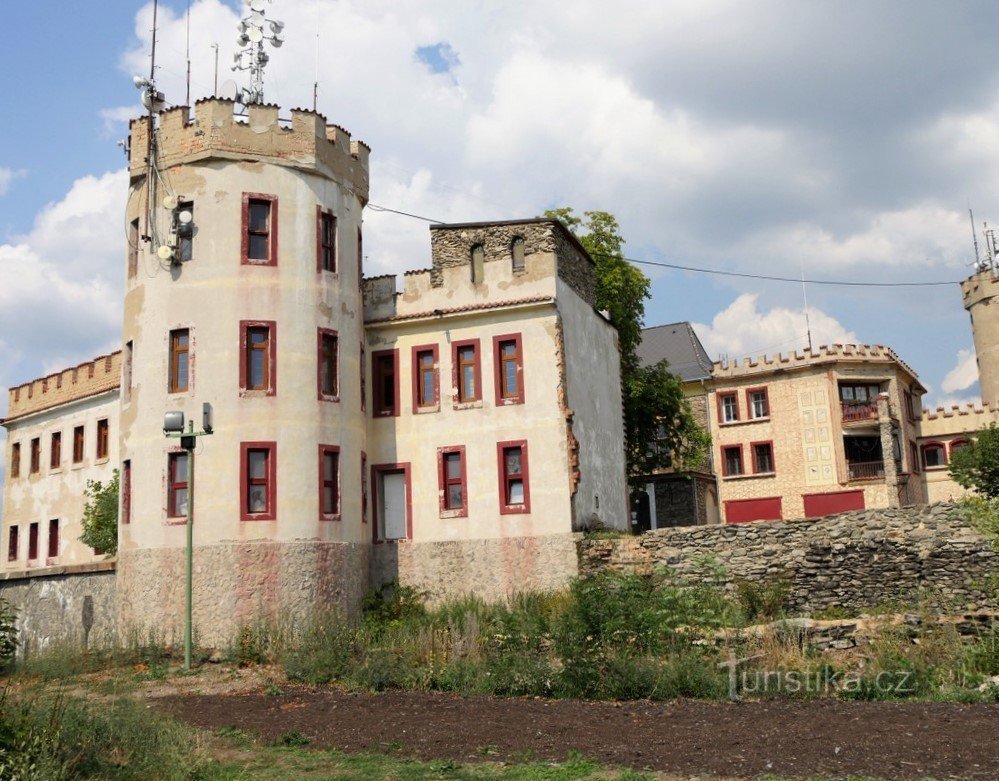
(451, 432)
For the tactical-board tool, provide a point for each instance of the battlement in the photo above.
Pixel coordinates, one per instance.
(79, 382)
(980, 286)
(832, 353)
(985, 411)
(308, 142)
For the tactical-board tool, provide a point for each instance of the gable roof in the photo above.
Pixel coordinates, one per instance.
(678, 344)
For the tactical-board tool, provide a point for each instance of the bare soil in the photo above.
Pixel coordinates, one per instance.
(794, 739)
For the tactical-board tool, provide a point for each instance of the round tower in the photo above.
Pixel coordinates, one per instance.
(981, 299)
(243, 291)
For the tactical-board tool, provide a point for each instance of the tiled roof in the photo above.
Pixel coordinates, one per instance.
(678, 344)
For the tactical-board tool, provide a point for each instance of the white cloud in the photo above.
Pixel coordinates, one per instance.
(742, 329)
(116, 119)
(954, 401)
(7, 176)
(964, 374)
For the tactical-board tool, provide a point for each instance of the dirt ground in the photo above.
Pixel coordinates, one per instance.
(795, 739)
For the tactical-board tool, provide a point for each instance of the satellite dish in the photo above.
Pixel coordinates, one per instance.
(242, 40)
(228, 90)
(257, 19)
(276, 41)
(170, 203)
(256, 5)
(254, 35)
(276, 26)
(185, 217)
(164, 252)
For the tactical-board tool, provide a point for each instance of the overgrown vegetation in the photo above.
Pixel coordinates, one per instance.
(983, 514)
(100, 516)
(8, 635)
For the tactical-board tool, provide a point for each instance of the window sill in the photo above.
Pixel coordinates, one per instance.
(259, 517)
(746, 422)
(427, 410)
(332, 399)
(940, 468)
(386, 414)
(55, 470)
(245, 393)
(509, 402)
(468, 404)
(394, 541)
(454, 513)
(749, 476)
(516, 510)
(256, 262)
(333, 518)
(176, 521)
(78, 465)
(101, 461)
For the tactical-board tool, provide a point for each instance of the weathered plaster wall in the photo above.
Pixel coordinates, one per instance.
(950, 428)
(857, 559)
(981, 299)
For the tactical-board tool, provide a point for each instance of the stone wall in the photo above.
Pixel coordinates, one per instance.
(855, 560)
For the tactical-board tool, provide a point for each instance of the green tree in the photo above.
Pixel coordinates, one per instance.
(659, 425)
(100, 516)
(976, 465)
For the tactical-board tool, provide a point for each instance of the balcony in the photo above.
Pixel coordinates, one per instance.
(854, 411)
(866, 470)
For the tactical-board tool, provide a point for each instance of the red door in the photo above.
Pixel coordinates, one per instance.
(743, 510)
(817, 505)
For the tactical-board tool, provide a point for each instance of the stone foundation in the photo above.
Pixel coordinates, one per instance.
(236, 585)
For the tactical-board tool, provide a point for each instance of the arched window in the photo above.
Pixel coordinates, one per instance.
(934, 455)
(957, 444)
(517, 253)
(478, 264)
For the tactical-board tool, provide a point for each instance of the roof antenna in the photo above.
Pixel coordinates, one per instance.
(804, 295)
(315, 84)
(251, 55)
(187, 99)
(974, 237)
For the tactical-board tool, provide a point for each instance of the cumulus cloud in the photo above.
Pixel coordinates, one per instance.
(964, 374)
(7, 176)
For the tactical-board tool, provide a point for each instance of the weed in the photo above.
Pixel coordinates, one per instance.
(293, 738)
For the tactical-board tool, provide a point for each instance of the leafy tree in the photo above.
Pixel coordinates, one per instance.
(976, 465)
(659, 426)
(100, 516)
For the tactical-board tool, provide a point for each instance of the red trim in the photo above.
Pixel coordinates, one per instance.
(12, 544)
(15, 459)
(126, 491)
(53, 549)
(271, 481)
(36, 456)
(103, 437)
(33, 542)
(320, 246)
(764, 509)
(360, 256)
(174, 351)
(937, 445)
(55, 450)
(272, 228)
(819, 505)
(477, 370)
(271, 325)
(719, 396)
(956, 444)
(518, 397)
(379, 409)
(377, 469)
(174, 485)
(417, 371)
(724, 461)
(323, 451)
(363, 378)
(504, 478)
(443, 482)
(749, 402)
(365, 489)
(319, 365)
(79, 443)
(773, 462)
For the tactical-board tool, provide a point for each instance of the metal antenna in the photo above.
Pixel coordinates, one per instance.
(187, 98)
(315, 84)
(804, 295)
(215, 91)
(974, 237)
(252, 56)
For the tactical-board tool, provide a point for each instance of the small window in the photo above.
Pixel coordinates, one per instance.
(360, 256)
(260, 230)
(329, 382)
(326, 240)
(33, 542)
(329, 482)
(758, 403)
(934, 455)
(257, 363)
(126, 373)
(53, 551)
(478, 264)
(78, 441)
(102, 439)
(259, 490)
(466, 371)
(509, 369)
(426, 378)
(763, 458)
(133, 248)
(363, 379)
(185, 232)
(732, 460)
(36, 455)
(126, 492)
(913, 457)
(177, 485)
(364, 488)
(517, 253)
(15, 460)
(514, 488)
(12, 544)
(180, 350)
(452, 482)
(957, 444)
(728, 407)
(55, 450)
(384, 366)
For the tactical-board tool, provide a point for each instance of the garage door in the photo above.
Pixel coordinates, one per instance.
(817, 505)
(742, 510)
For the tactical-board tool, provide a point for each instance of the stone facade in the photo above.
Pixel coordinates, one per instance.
(980, 293)
(852, 560)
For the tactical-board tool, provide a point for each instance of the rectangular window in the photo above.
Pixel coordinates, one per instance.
(329, 382)
(133, 248)
(260, 229)
(12, 544)
(728, 407)
(364, 487)
(360, 255)
(126, 492)
(15, 460)
(177, 485)
(758, 402)
(185, 231)
(258, 472)
(36, 455)
(763, 458)
(102, 439)
(78, 444)
(126, 373)
(732, 460)
(325, 240)
(466, 371)
(53, 538)
(329, 483)
(426, 378)
(913, 457)
(385, 371)
(33, 542)
(514, 488)
(257, 362)
(180, 365)
(55, 451)
(451, 482)
(509, 369)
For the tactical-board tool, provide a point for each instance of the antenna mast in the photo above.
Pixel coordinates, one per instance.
(804, 295)
(215, 93)
(187, 99)
(315, 84)
(252, 56)
(974, 238)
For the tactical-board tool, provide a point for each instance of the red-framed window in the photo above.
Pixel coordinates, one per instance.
(757, 403)
(36, 455)
(934, 455)
(325, 240)
(12, 550)
(103, 436)
(360, 255)
(957, 444)
(728, 407)
(260, 229)
(732, 461)
(913, 457)
(363, 378)
(329, 365)
(33, 542)
(509, 369)
(180, 360)
(910, 407)
(258, 481)
(426, 378)
(329, 483)
(466, 371)
(15, 460)
(177, 484)
(514, 477)
(55, 450)
(364, 487)
(53, 550)
(258, 356)
(763, 457)
(126, 491)
(385, 380)
(387, 501)
(452, 481)
(78, 442)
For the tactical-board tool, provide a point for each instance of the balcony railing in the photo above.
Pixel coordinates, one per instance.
(856, 410)
(867, 470)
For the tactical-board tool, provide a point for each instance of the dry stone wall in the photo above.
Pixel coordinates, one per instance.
(852, 560)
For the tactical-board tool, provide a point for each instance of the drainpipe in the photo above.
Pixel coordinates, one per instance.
(888, 449)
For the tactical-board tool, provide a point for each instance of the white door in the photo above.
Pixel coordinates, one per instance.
(393, 493)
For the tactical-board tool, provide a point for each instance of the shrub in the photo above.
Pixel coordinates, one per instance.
(100, 516)
(976, 465)
(764, 600)
(8, 634)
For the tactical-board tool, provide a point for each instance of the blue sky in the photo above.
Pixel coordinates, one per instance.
(846, 140)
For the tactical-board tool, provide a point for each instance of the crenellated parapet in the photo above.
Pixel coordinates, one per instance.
(79, 382)
(308, 141)
(824, 354)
